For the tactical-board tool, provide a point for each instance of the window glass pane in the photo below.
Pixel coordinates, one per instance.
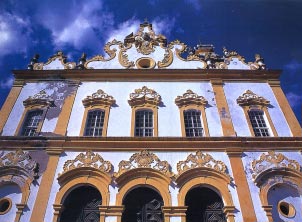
(258, 123)
(31, 123)
(94, 123)
(193, 126)
(143, 123)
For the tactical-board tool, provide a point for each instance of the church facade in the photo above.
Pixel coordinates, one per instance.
(153, 131)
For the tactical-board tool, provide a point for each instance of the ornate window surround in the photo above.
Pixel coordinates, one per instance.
(251, 101)
(191, 101)
(86, 169)
(272, 169)
(40, 101)
(201, 169)
(147, 99)
(98, 100)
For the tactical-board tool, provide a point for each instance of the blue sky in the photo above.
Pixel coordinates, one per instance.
(272, 28)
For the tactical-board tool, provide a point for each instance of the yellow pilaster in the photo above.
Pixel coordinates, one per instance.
(40, 206)
(223, 108)
(10, 102)
(290, 117)
(244, 195)
(63, 120)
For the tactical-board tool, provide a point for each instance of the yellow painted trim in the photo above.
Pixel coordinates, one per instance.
(221, 103)
(154, 109)
(39, 210)
(288, 113)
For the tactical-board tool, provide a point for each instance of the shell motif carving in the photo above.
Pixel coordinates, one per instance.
(144, 159)
(188, 98)
(89, 159)
(98, 98)
(273, 160)
(40, 98)
(250, 98)
(20, 159)
(144, 95)
(201, 160)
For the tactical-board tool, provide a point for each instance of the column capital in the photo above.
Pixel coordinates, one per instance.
(216, 81)
(18, 83)
(274, 82)
(233, 152)
(54, 151)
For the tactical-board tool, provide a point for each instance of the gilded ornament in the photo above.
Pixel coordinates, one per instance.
(273, 160)
(98, 98)
(249, 98)
(143, 96)
(201, 160)
(190, 98)
(62, 58)
(89, 159)
(144, 159)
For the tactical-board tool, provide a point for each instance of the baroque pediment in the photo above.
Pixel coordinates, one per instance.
(98, 98)
(39, 99)
(57, 61)
(249, 98)
(144, 96)
(190, 98)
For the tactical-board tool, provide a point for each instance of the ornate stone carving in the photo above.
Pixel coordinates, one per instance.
(89, 159)
(20, 159)
(41, 98)
(201, 160)
(258, 64)
(62, 58)
(144, 96)
(249, 98)
(190, 98)
(123, 57)
(98, 98)
(229, 54)
(273, 160)
(144, 159)
(167, 60)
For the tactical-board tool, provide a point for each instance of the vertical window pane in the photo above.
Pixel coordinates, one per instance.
(94, 123)
(143, 123)
(31, 123)
(193, 125)
(258, 123)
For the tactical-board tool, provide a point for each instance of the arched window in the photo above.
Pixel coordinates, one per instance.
(144, 123)
(94, 123)
(192, 123)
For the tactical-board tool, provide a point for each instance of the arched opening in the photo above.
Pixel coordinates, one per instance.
(204, 205)
(82, 205)
(142, 204)
(286, 203)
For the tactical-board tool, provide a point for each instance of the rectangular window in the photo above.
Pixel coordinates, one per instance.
(31, 123)
(144, 123)
(193, 125)
(258, 123)
(94, 123)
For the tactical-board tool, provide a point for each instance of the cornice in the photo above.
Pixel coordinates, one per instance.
(147, 75)
(221, 144)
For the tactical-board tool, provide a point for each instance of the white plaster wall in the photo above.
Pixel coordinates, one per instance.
(115, 157)
(235, 89)
(13, 192)
(168, 114)
(254, 190)
(235, 63)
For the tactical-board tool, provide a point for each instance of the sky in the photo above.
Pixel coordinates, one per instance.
(272, 28)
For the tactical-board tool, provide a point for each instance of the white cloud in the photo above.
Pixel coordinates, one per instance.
(14, 34)
(7, 83)
(195, 3)
(294, 99)
(123, 29)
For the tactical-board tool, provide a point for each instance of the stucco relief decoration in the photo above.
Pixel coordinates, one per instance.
(41, 98)
(144, 159)
(249, 98)
(61, 57)
(144, 96)
(258, 64)
(21, 159)
(199, 160)
(190, 98)
(88, 159)
(273, 160)
(98, 98)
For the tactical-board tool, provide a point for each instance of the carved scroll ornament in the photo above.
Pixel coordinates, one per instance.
(201, 160)
(190, 98)
(144, 96)
(144, 159)
(98, 98)
(61, 57)
(89, 159)
(20, 159)
(273, 160)
(40, 98)
(249, 98)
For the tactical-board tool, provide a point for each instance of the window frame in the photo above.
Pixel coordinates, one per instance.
(86, 121)
(144, 127)
(194, 127)
(39, 125)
